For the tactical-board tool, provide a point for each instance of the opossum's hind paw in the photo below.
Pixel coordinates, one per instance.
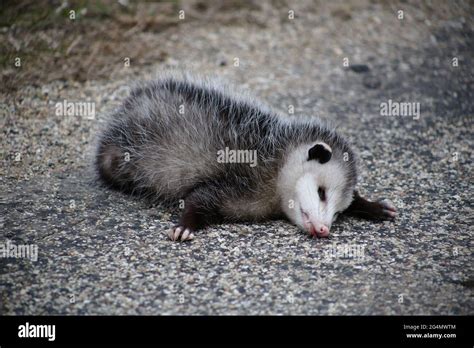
(180, 233)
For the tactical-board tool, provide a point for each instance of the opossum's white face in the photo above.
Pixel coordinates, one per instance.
(313, 188)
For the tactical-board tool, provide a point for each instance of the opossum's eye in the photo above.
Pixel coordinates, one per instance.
(320, 152)
(322, 193)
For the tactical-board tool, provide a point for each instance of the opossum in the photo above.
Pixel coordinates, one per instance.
(223, 156)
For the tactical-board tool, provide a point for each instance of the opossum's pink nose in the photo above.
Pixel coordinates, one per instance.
(314, 227)
(318, 230)
(323, 231)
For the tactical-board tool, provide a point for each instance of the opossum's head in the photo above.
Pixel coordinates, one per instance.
(316, 184)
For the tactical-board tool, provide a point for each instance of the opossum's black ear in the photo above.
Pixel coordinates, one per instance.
(321, 152)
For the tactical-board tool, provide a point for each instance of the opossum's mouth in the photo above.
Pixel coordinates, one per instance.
(315, 229)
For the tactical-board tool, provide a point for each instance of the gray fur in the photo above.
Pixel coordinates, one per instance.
(173, 155)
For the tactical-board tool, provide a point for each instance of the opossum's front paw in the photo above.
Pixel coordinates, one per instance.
(384, 210)
(380, 210)
(180, 233)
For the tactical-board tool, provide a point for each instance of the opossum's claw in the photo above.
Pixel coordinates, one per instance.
(388, 205)
(388, 209)
(385, 210)
(389, 213)
(180, 233)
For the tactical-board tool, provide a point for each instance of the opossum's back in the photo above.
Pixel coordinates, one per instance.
(159, 140)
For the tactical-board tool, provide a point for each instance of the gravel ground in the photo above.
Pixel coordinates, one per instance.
(101, 252)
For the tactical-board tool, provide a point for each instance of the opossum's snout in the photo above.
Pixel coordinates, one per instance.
(314, 213)
(314, 227)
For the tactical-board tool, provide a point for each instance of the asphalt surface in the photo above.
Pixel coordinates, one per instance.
(101, 252)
